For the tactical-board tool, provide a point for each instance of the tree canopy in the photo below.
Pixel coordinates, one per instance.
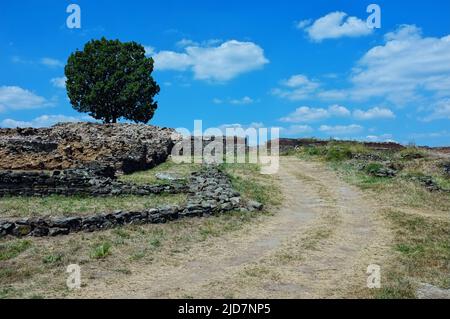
(110, 80)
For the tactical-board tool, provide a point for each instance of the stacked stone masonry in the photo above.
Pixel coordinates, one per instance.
(209, 192)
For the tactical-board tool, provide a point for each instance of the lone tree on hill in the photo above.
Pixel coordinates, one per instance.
(112, 80)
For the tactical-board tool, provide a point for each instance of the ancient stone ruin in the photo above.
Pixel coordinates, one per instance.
(74, 181)
(125, 147)
(84, 159)
(209, 192)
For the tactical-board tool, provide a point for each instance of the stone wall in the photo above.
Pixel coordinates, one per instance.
(289, 144)
(211, 146)
(210, 192)
(81, 181)
(126, 147)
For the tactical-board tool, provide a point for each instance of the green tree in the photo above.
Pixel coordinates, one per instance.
(112, 80)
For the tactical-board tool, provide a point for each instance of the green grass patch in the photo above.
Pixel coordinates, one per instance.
(423, 249)
(53, 259)
(362, 179)
(81, 205)
(181, 170)
(101, 251)
(156, 238)
(248, 180)
(13, 249)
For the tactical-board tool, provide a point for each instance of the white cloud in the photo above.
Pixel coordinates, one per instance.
(149, 50)
(332, 95)
(408, 66)
(336, 25)
(341, 129)
(43, 121)
(16, 98)
(306, 114)
(238, 126)
(444, 133)
(214, 63)
(374, 113)
(309, 114)
(296, 129)
(244, 100)
(379, 138)
(186, 43)
(241, 101)
(59, 82)
(338, 110)
(53, 63)
(169, 60)
(303, 24)
(441, 111)
(297, 87)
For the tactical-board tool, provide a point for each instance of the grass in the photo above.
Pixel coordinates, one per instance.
(12, 249)
(53, 258)
(412, 153)
(419, 220)
(101, 250)
(56, 205)
(402, 190)
(422, 247)
(247, 180)
(41, 271)
(182, 171)
(38, 268)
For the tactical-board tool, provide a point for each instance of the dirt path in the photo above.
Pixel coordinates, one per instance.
(317, 245)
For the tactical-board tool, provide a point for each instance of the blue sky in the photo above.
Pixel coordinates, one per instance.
(311, 68)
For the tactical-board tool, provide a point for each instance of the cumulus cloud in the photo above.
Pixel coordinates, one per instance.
(215, 63)
(341, 129)
(338, 110)
(297, 87)
(406, 67)
(17, 98)
(59, 82)
(335, 25)
(309, 114)
(169, 60)
(374, 113)
(43, 121)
